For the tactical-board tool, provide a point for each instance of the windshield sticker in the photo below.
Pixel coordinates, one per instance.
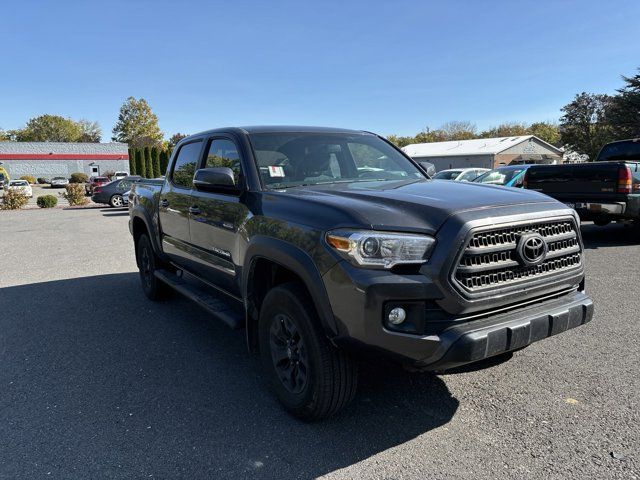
(276, 171)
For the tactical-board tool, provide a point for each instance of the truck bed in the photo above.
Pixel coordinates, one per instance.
(593, 188)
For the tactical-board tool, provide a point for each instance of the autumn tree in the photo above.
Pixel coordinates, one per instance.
(137, 125)
(49, 128)
(175, 138)
(549, 132)
(90, 131)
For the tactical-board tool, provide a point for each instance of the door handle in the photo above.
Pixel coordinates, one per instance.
(193, 210)
(164, 203)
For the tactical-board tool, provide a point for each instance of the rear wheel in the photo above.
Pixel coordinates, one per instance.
(116, 201)
(148, 263)
(311, 377)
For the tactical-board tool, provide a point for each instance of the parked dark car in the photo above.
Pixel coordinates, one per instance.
(112, 192)
(95, 182)
(3, 180)
(328, 245)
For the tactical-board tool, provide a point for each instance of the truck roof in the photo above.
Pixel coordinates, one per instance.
(283, 129)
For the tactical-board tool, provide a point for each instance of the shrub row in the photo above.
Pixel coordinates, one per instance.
(149, 162)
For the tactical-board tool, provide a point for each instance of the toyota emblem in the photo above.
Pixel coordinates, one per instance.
(532, 249)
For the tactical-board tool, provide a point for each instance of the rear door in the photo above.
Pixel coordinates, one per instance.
(175, 200)
(217, 216)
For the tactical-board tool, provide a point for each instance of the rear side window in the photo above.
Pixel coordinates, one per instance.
(185, 164)
(224, 153)
(620, 151)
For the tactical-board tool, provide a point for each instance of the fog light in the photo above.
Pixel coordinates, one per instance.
(397, 316)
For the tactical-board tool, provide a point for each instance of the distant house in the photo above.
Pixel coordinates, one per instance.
(485, 152)
(58, 159)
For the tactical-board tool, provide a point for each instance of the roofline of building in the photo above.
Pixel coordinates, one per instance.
(475, 154)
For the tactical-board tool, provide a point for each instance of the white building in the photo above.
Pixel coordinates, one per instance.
(485, 152)
(59, 159)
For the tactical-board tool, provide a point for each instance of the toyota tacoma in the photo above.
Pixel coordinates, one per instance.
(328, 246)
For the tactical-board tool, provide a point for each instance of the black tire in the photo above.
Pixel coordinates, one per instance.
(148, 262)
(312, 379)
(116, 201)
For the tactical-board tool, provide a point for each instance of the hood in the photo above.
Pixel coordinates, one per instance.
(421, 205)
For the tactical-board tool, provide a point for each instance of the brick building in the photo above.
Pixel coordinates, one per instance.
(57, 159)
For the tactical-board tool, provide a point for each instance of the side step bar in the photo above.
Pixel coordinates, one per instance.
(216, 304)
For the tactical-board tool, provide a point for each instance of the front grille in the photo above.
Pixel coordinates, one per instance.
(490, 259)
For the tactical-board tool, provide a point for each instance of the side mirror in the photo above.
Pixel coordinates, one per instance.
(428, 167)
(215, 178)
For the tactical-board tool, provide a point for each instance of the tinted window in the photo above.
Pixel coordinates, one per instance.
(620, 151)
(295, 159)
(185, 164)
(223, 153)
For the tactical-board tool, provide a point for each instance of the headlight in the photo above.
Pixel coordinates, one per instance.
(381, 249)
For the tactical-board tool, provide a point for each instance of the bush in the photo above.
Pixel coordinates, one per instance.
(13, 200)
(29, 178)
(78, 178)
(109, 174)
(47, 201)
(75, 194)
(42, 181)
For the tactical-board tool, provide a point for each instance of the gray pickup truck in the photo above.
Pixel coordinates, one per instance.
(328, 246)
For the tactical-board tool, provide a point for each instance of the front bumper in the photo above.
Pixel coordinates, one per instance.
(360, 298)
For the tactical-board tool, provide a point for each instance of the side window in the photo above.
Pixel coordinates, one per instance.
(185, 164)
(223, 153)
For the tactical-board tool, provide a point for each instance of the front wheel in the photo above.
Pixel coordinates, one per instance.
(148, 263)
(312, 378)
(116, 201)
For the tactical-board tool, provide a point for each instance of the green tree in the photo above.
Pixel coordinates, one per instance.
(549, 132)
(49, 128)
(141, 168)
(148, 163)
(624, 114)
(137, 125)
(4, 136)
(155, 160)
(584, 127)
(132, 162)
(164, 161)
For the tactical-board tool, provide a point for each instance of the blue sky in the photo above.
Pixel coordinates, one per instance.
(389, 67)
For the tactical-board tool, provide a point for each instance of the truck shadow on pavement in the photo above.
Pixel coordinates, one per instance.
(612, 235)
(97, 381)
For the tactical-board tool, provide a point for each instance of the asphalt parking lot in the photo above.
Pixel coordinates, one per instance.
(98, 382)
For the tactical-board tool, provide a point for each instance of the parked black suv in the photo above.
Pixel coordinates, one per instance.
(327, 245)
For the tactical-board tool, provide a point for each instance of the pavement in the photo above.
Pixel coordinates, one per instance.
(98, 382)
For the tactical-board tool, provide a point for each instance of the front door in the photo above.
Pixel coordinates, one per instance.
(216, 218)
(174, 203)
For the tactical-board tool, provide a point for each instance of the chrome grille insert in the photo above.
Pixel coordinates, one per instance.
(490, 258)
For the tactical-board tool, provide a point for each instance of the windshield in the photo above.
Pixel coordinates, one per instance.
(447, 175)
(59, 178)
(296, 159)
(19, 183)
(629, 150)
(499, 176)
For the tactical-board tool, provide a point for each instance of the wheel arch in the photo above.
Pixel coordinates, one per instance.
(271, 262)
